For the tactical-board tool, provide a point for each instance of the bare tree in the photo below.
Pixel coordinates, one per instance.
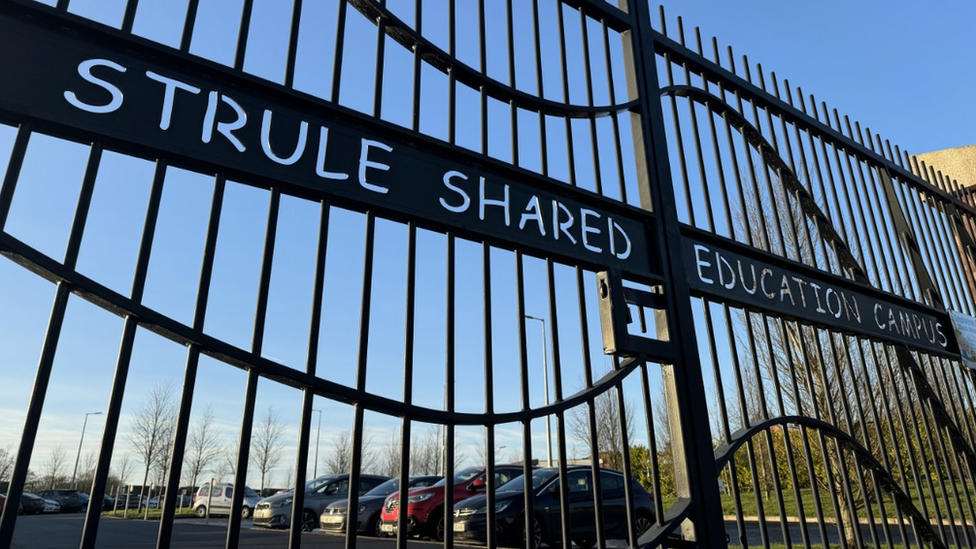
(266, 443)
(391, 455)
(424, 455)
(203, 445)
(7, 460)
(86, 471)
(124, 468)
(610, 439)
(151, 432)
(339, 458)
(56, 464)
(226, 465)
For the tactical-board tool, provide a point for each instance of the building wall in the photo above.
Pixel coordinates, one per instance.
(958, 163)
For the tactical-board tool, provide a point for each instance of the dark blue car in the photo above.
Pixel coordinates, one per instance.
(470, 515)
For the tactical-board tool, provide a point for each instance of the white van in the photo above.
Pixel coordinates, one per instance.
(219, 498)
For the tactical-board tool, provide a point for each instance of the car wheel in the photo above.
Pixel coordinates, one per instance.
(536, 534)
(246, 512)
(201, 511)
(374, 527)
(642, 524)
(309, 521)
(437, 526)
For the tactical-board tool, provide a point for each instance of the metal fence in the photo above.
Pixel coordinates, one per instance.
(743, 298)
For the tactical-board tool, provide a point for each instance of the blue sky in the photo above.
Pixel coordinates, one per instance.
(901, 71)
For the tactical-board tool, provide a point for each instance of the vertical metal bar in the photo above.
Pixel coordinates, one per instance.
(482, 92)
(148, 232)
(311, 366)
(564, 71)
(380, 64)
(565, 524)
(408, 351)
(14, 165)
(630, 513)
(293, 30)
(81, 211)
(528, 526)
(490, 540)
(510, 33)
(165, 533)
(192, 362)
(695, 478)
(257, 347)
(189, 23)
(652, 446)
(243, 451)
(614, 116)
(113, 413)
(243, 34)
(449, 352)
(537, 45)
(89, 531)
(590, 414)
(764, 414)
(129, 17)
(340, 44)
(362, 362)
(588, 78)
(25, 449)
(723, 414)
(418, 26)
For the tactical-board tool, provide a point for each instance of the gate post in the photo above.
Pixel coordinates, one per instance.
(696, 477)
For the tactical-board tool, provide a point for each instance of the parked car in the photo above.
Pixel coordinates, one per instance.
(470, 516)
(51, 506)
(69, 500)
(30, 504)
(425, 506)
(275, 511)
(333, 519)
(158, 501)
(220, 499)
(83, 499)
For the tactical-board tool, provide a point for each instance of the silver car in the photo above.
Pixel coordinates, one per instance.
(275, 511)
(333, 519)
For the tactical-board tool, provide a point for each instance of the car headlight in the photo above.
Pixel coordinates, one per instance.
(282, 503)
(362, 509)
(421, 497)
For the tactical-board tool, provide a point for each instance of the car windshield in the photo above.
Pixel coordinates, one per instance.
(463, 475)
(315, 484)
(248, 492)
(539, 477)
(385, 489)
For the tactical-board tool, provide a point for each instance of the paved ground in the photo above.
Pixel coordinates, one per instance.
(64, 532)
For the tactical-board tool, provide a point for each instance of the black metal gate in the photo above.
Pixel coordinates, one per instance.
(771, 285)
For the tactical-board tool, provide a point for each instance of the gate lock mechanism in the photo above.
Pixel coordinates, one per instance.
(624, 332)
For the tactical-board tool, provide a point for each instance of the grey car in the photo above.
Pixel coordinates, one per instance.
(275, 511)
(333, 519)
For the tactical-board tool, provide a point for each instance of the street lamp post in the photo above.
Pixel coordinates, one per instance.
(318, 433)
(545, 382)
(74, 475)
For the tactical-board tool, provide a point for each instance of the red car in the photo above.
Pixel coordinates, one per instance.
(425, 506)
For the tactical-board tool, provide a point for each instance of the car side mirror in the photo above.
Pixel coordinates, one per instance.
(478, 485)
